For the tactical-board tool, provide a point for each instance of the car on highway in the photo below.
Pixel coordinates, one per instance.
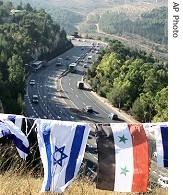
(67, 58)
(85, 66)
(155, 154)
(32, 82)
(113, 116)
(90, 149)
(59, 62)
(89, 109)
(35, 99)
(163, 181)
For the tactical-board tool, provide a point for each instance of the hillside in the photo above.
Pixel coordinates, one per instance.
(83, 15)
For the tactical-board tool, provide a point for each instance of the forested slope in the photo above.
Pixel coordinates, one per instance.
(132, 80)
(24, 36)
(152, 25)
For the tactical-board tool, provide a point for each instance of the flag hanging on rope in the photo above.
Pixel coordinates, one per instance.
(10, 130)
(16, 119)
(62, 146)
(161, 134)
(123, 157)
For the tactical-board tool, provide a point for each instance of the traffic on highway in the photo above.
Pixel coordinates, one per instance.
(59, 91)
(52, 90)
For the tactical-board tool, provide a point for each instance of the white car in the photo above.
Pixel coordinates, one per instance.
(59, 62)
(89, 109)
(32, 82)
(113, 116)
(35, 99)
(163, 181)
(155, 154)
(85, 66)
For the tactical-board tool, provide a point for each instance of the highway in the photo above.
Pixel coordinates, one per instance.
(51, 104)
(59, 98)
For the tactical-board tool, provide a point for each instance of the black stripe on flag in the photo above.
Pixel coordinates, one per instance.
(106, 157)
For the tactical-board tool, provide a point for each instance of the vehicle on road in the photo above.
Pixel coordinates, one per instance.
(72, 67)
(113, 116)
(37, 65)
(80, 85)
(89, 109)
(89, 57)
(85, 66)
(163, 181)
(35, 99)
(67, 58)
(32, 82)
(155, 154)
(59, 62)
(90, 149)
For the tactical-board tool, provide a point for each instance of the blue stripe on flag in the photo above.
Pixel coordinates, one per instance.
(12, 118)
(164, 135)
(46, 138)
(18, 142)
(75, 149)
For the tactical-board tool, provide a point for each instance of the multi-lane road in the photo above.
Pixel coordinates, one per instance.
(59, 97)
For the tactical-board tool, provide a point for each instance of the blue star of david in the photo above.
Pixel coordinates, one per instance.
(62, 155)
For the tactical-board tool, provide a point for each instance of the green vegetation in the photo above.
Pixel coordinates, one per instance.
(133, 80)
(152, 25)
(25, 36)
(66, 19)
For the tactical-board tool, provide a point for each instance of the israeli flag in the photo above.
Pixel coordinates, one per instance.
(16, 119)
(10, 130)
(161, 133)
(62, 146)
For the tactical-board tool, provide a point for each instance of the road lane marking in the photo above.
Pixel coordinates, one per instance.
(95, 103)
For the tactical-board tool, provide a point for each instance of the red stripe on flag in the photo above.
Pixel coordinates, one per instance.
(141, 158)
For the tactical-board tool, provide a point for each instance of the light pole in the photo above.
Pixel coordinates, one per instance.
(119, 103)
(46, 106)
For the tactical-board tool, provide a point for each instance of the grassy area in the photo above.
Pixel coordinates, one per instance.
(16, 180)
(13, 183)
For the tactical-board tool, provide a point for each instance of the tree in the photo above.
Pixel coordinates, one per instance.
(161, 106)
(143, 107)
(16, 70)
(28, 7)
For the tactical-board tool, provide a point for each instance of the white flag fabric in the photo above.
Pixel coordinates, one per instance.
(16, 119)
(62, 146)
(10, 130)
(161, 133)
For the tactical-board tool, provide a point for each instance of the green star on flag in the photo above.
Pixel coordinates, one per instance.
(122, 139)
(124, 171)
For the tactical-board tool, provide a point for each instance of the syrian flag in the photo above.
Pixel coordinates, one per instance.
(62, 146)
(10, 130)
(123, 157)
(161, 134)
